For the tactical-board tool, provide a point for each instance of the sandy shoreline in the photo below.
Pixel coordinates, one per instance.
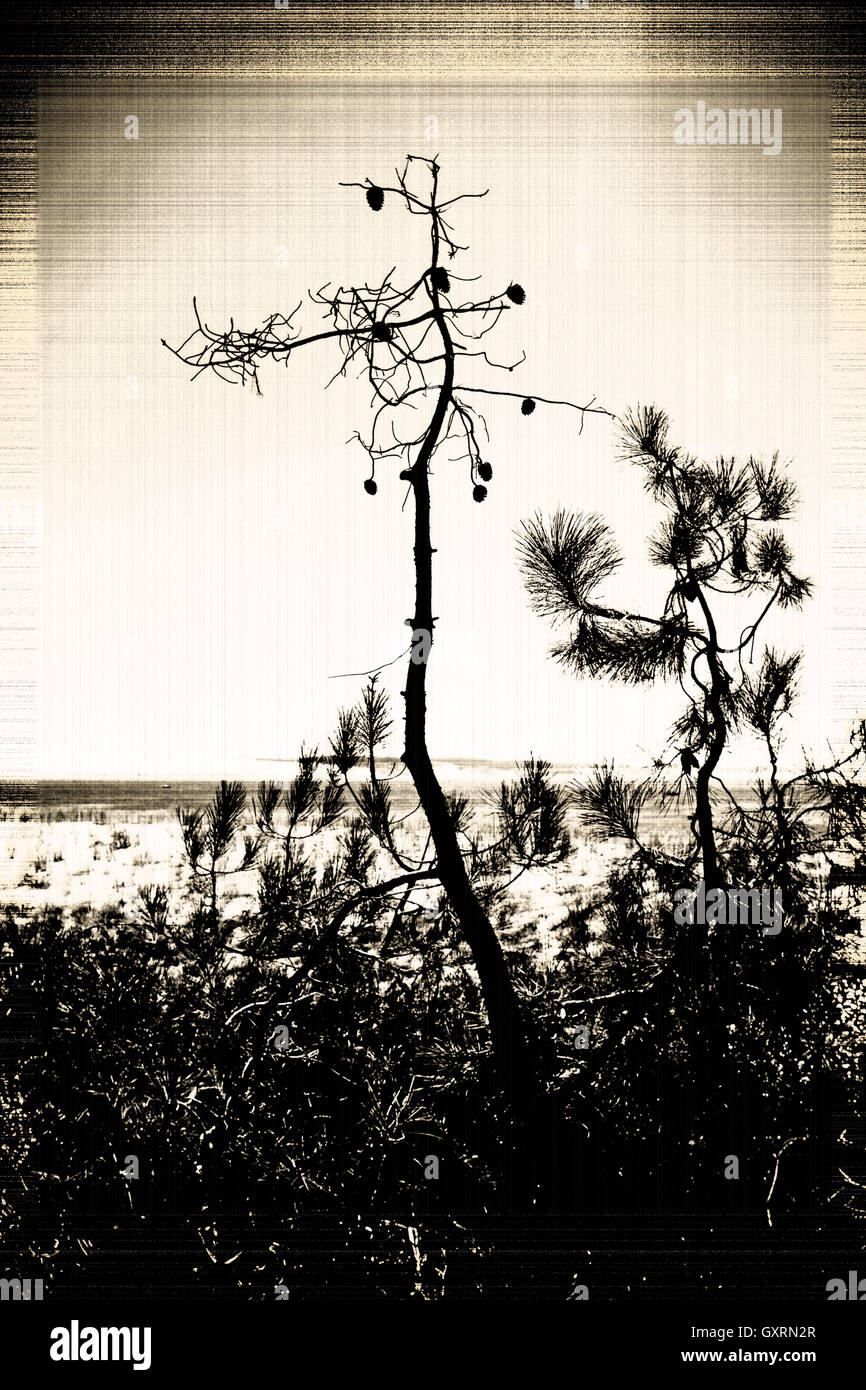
(73, 864)
(98, 856)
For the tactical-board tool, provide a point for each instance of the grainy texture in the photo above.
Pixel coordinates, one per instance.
(546, 46)
(79, 294)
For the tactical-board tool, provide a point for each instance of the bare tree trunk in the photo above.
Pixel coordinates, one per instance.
(513, 1055)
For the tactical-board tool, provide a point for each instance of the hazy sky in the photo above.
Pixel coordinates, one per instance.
(210, 559)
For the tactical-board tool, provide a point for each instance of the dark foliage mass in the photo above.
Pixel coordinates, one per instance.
(366, 1080)
(285, 1076)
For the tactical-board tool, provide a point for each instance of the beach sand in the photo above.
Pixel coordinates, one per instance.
(100, 856)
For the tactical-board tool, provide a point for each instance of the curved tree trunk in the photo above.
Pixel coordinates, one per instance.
(515, 1062)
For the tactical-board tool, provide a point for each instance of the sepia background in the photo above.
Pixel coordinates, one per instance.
(191, 566)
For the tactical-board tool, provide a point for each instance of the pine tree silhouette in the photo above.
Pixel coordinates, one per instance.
(409, 342)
